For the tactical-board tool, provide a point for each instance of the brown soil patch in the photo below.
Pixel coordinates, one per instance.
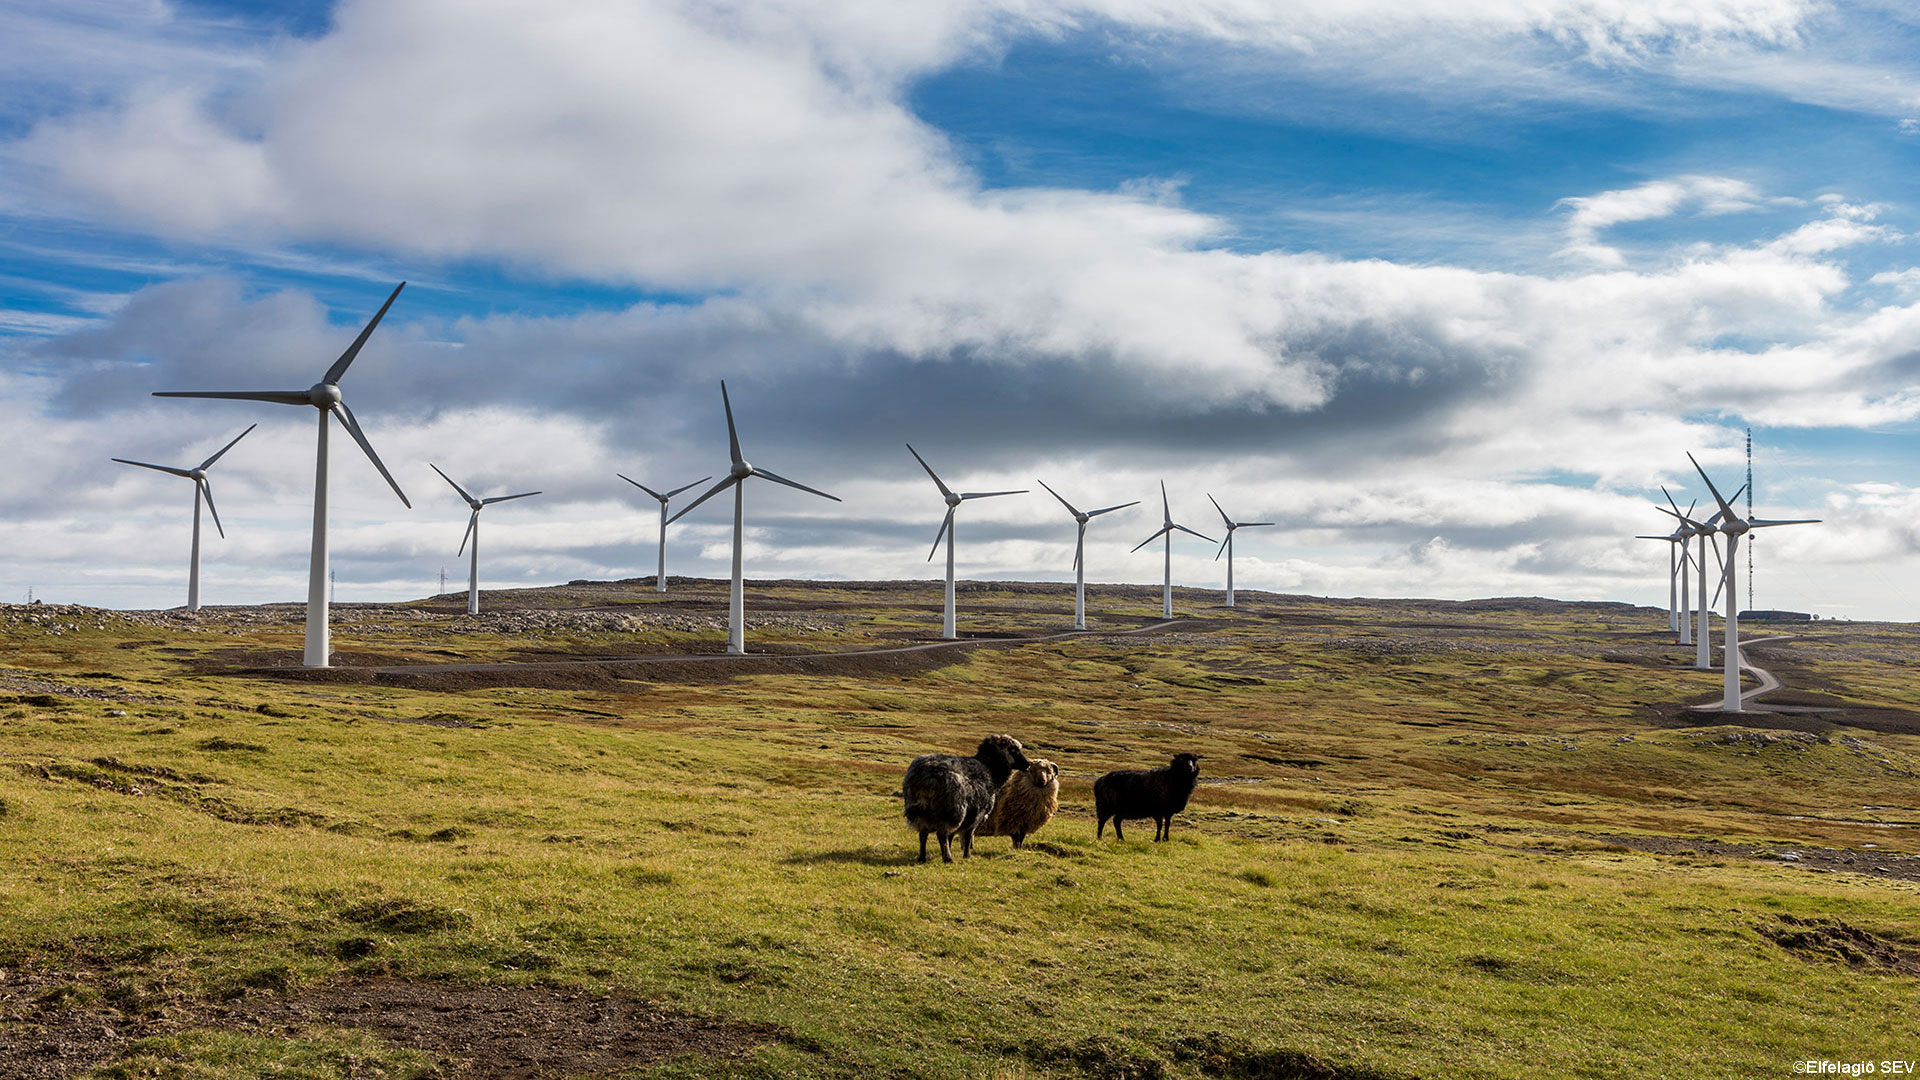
(1835, 942)
(1882, 864)
(52, 1028)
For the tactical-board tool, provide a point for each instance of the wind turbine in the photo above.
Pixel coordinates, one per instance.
(736, 479)
(201, 486)
(660, 578)
(1079, 553)
(947, 630)
(1705, 530)
(473, 533)
(1677, 542)
(1167, 527)
(1678, 537)
(1733, 527)
(1227, 544)
(325, 397)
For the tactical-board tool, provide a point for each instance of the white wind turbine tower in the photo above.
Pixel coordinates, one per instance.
(1226, 545)
(1699, 610)
(660, 578)
(473, 533)
(1167, 527)
(954, 500)
(325, 397)
(1733, 527)
(201, 486)
(736, 478)
(1674, 562)
(1677, 560)
(1079, 553)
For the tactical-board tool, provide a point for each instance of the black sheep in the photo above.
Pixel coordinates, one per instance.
(1146, 793)
(948, 794)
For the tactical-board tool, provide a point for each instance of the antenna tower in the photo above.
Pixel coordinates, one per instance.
(1750, 606)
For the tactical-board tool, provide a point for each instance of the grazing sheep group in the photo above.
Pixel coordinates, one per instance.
(949, 795)
(1000, 792)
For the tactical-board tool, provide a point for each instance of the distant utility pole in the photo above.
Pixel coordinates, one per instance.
(1750, 606)
(333, 586)
(443, 582)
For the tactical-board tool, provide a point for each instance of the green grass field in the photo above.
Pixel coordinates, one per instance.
(1432, 840)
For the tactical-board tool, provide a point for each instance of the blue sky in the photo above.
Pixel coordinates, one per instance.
(1447, 291)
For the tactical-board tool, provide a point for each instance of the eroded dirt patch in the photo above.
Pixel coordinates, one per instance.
(1885, 864)
(52, 1028)
(1836, 942)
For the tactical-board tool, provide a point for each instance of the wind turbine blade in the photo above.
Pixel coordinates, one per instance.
(1760, 524)
(340, 366)
(1076, 558)
(1719, 585)
(650, 491)
(944, 490)
(682, 487)
(1223, 513)
(1149, 540)
(278, 397)
(464, 493)
(733, 436)
(989, 494)
(945, 524)
(473, 522)
(764, 474)
(1223, 546)
(1190, 532)
(1063, 502)
(1111, 509)
(1644, 537)
(353, 428)
(207, 490)
(208, 464)
(506, 498)
(1255, 524)
(158, 468)
(1724, 508)
(1166, 512)
(710, 493)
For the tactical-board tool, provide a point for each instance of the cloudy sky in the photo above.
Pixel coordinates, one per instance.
(1447, 290)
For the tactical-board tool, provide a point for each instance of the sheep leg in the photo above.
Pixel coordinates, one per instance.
(946, 852)
(1019, 838)
(1117, 834)
(1101, 829)
(966, 843)
(923, 845)
(1162, 829)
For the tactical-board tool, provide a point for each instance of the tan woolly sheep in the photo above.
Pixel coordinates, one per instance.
(1026, 801)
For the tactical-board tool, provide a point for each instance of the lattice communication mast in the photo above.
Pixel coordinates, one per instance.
(1750, 606)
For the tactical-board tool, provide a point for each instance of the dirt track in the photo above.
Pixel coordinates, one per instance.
(606, 673)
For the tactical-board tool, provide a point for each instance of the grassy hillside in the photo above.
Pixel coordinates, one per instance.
(1432, 839)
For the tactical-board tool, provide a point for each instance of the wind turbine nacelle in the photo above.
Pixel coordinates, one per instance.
(323, 395)
(741, 470)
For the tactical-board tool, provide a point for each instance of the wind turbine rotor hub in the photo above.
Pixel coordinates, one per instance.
(741, 470)
(953, 500)
(323, 395)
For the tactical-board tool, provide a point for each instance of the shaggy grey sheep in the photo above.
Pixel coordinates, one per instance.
(1143, 793)
(947, 794)
(1026, 801)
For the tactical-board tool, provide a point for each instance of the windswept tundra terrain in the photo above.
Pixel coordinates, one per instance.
(565, 838)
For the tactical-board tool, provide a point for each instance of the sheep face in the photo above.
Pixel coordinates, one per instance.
(1040, 772)
(1187, 765)
(1004, 748)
